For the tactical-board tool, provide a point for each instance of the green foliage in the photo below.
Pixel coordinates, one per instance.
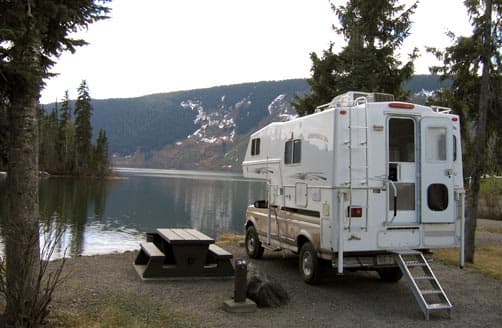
(83, 129)
(474, 65)
(490, 199)
(462, 64)
(66, 136)
(48, 129)
(101, 162)
(65, 147)
(3, 134)
(374, 30)
(45, 25)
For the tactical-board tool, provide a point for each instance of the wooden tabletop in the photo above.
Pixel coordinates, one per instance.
(185, 236)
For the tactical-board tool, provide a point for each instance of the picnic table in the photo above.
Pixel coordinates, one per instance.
(180, 253)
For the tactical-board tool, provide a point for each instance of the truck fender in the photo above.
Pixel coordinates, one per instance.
(303, 237)
(250, 221)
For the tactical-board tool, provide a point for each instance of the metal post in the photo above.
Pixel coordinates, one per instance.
(462, 229)
(240, 286)
(240, 303)
(340, 231)
(269, 216)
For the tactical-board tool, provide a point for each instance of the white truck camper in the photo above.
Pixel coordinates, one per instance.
(364, 183)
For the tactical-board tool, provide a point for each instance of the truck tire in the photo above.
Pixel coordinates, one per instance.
(309, 263)
(390, 274)
(253, 244)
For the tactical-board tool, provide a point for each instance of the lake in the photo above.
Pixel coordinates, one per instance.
(100, 217)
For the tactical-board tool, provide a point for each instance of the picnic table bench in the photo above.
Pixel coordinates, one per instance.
(176, 253)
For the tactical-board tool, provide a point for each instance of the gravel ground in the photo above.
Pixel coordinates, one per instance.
(489, 238)
(354, 299)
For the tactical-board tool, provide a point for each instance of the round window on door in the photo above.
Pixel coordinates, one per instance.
(437, 197)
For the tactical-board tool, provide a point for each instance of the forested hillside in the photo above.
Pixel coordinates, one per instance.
(151, 122)
(204, 128)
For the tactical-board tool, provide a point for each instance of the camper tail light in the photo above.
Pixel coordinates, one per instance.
(354, 211)
(401, 105)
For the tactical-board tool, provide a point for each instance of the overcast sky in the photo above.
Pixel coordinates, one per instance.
(158, 46)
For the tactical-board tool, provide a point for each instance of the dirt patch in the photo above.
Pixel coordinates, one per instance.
(354, 299)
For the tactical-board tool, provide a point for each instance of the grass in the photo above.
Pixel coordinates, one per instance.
(490, 199)
(230, 238)
(489, 229)
(491, 186)
(488, 260)
(124, 310)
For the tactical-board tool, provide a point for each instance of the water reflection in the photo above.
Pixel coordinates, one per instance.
(107, 216)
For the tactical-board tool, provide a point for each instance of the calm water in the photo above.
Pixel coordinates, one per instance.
(112, 216)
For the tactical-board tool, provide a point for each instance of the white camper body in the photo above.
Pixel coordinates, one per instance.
(359, 177)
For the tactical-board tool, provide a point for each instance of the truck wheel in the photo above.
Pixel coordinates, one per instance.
(390, 274)
(310, 267)
(253, 244)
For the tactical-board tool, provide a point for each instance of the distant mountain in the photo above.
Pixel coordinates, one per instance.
(204, 128)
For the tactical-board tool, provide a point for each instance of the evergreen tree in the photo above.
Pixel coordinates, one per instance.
(83, 129)
(48, 140)
(32, 34)
(374, 30)
(101, 160)
(474, 64)
(66, 136)
(3, 133)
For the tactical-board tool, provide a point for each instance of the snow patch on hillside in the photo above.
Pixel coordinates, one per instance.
(281, 108)
(216, 124)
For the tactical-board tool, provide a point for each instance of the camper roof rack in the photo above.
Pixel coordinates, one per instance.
(349, 99)
(441, 109)
(322, 107)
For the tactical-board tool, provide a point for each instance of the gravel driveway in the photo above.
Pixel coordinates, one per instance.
(353, 300)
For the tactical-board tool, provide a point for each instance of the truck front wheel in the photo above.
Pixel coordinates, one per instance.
(253, 244)
(310, 268)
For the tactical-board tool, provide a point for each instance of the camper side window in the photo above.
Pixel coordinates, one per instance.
(255, 146)
(293, 151)
(454, 148)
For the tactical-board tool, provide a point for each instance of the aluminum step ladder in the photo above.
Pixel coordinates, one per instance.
(423, 283)
(357, 143)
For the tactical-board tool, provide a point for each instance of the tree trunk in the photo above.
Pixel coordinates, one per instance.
(21, 230)
(480, 138)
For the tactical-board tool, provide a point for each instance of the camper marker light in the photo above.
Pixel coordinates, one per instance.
(454, 119)
(355, 212)
(343, 111)
(401, 105)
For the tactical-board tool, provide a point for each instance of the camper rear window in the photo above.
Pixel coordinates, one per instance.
(255, 146)
(293, 151)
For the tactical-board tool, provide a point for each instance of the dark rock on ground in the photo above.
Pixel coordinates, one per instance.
(263, 290)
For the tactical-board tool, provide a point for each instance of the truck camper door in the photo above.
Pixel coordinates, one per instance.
(437, 203)
(402, 170)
